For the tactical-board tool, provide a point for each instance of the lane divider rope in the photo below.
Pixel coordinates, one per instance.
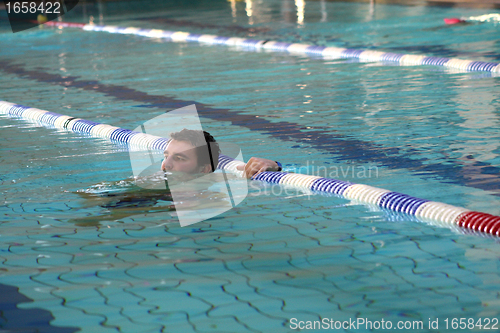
(293, 48)
(424, 210)
(493, 17)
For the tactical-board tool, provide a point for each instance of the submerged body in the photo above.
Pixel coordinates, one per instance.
(128, 197)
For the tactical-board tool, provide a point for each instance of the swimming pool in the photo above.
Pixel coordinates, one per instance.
(279, 255)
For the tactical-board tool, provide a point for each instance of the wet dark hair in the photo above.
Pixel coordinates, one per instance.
(207, 149)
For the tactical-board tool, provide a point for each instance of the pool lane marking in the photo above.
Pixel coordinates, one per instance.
(322, 139)
(424, 210)
(293, 48)
(421, 49)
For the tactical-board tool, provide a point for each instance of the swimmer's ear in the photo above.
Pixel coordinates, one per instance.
(207, 168)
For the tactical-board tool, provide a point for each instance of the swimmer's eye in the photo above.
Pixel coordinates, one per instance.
(177, 158)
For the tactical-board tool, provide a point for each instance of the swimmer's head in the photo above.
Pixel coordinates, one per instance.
(191, 152)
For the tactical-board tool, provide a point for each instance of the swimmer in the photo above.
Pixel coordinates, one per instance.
(185, 157)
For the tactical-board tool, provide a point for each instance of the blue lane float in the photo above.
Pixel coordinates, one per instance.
(294, 48)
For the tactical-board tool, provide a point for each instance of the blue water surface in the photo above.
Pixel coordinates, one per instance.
(283, 255)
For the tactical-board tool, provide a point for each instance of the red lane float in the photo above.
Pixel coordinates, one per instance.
(482, 222)
(453, 20)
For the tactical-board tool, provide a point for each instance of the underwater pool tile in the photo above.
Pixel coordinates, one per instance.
(403, 249)
(25, 261)
(178, 301)
(404, 265)
(50, 279)
(135, 249)
(160, 271)
(269, 316)
(401, 286)
(440, 247)
(55, 259)
(119, 276)
(247, 292)
(434, 265)
(133, 322)
(376, 294)
(368, 254)
(474, 298)
(115, 318)
(406, 306)
(206, 289)
(438, 281)
(353, 280)
(73, 292)
(305, 300)
(176, 321)
(150, 232)
(269, 233)
(236, 317)
(106, 248)
(113, 233)
(458, 279)
(85, 275)
(442, 299)
(271, 247)
(92, 303)
(215, 254)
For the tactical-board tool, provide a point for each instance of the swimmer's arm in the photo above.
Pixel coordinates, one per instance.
(256, 165)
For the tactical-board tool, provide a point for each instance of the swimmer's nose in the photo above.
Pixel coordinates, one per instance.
(166, 165)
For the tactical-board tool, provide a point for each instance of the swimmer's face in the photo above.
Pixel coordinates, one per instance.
(181, 156)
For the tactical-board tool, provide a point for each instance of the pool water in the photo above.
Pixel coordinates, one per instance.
(283, 255)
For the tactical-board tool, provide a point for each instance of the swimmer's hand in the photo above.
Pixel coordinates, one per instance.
(257, 165)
